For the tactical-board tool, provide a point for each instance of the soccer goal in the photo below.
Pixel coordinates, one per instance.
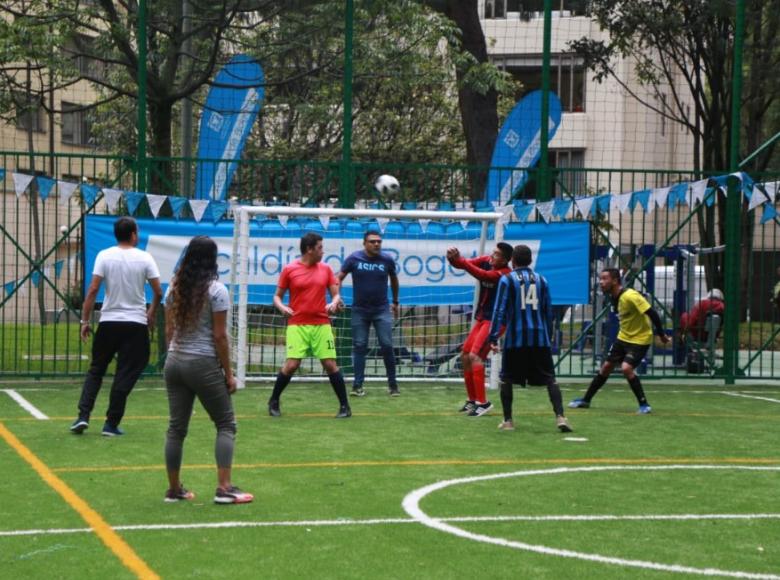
(436, 301)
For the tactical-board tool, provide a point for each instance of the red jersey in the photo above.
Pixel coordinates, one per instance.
(307, 286)
(694, 321)
(488, 278)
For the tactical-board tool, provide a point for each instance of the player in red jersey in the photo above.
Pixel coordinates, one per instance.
(488, 270)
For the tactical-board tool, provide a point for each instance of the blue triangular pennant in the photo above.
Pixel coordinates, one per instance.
(218, 209)
(640, 197)
(523, 212)
(721, 180)
(36, 278)
(770, 213)
(58, 265)
(133, 200)
(45, 185)
(710, 196)
(561, 208)
(89, 193)
(177, 204)
(677, 195)
(602, 202)
(9, 287)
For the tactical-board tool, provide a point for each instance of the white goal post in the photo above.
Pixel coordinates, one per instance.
(437, 302)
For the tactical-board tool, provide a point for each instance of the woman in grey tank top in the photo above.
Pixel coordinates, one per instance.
(198, 365)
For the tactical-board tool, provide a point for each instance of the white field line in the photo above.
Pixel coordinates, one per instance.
(388, 521)
(751, 397)
(25, 404)
(411, 505)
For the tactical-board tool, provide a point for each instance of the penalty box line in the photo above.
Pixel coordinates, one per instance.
(25, 404)
(394, 521)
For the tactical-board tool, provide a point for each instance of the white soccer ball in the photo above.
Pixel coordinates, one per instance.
(387, 184)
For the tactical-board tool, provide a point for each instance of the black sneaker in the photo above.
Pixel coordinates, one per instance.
(181, 494)
(111, 430)
(480, 409)
(358, 392)
(467, 407)
(393, 391)
(273, 408)
(344, 413)
(79, 426)
(232, 495)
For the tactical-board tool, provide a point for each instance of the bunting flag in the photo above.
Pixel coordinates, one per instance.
(620, 202)
(133, 199)
(642, 198)
(218, 209)
(710, 196)
(584, 205)
(198, 207)
(283, 220)
(9, 287)
(758, 197)
(89, 194)
(325, 221)
(155, 202)
(35, 277)
(561, 208)
(424, 224)
(45, 185)
(21, 182)
(506, 211)
(698, 189)
(465, 223)
(771, 190)
(524, 212)
(659, 196)
(545, 210)
(65, 189)
(678, 195)
(177, 204)
(602, 202)
(112, 197)
(58, 265)
(382, 221)
(770, 213)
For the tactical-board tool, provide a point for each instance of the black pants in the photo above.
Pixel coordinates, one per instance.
(128, 340)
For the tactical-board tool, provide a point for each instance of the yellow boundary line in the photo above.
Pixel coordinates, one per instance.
(108, 536)
(441, 462)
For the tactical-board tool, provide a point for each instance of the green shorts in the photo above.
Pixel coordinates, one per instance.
(310, 340)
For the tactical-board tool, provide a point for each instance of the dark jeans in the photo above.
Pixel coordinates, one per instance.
(130, 342)
(383, 325)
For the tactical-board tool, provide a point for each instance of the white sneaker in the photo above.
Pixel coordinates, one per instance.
(506, 426)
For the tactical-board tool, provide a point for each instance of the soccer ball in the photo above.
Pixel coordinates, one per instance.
(387, 185)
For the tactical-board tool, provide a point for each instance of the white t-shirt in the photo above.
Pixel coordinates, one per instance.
(124, 272)
(200, 338)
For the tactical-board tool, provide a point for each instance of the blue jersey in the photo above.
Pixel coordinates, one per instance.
(369, 279)
(524, 306)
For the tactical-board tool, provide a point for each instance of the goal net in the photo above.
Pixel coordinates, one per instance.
(436, 301)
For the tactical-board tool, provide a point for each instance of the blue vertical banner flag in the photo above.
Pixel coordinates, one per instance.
(518, 145)
(232, 106)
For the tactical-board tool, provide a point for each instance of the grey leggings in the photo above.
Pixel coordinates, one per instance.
(188, 376)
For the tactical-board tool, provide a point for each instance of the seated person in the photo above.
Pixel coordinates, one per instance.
(694, 322)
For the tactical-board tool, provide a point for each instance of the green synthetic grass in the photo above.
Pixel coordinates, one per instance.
(308, 467)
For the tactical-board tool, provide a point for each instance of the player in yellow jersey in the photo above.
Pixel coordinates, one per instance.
(633, 340)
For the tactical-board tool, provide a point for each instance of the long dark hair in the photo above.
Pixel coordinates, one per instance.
(197, 269)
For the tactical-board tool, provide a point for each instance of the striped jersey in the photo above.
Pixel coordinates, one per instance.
(524, 306)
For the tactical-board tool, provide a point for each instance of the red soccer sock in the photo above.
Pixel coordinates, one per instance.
(478, 380)
(469, 378)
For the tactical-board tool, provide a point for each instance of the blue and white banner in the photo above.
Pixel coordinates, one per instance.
(231, 108)
(518, 145)
(561, 254)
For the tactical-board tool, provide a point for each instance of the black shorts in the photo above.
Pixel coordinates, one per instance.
(531, 365)
(627, 352)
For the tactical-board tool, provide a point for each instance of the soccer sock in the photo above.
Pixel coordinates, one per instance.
(639, 392)
(337, 382)
(478, 376)
(506, 399)
(597, 382)
(469, 379)
(554, 392)
(282, 380)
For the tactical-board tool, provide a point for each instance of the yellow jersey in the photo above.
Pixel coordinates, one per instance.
(635, 326)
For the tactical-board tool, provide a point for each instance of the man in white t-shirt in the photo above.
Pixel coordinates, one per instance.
(124, 325)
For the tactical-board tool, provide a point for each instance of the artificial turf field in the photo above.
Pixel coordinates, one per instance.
(692, 489)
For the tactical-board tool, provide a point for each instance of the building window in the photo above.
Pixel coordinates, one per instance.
(567, 78)
(530, 9)
(87, 66)
(29, 113)
(76, 125)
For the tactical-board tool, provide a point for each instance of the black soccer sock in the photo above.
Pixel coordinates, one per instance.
(554, 392)
(506, 399)
(639, 392)
(282, 380)
(337, 382)
(597, 382)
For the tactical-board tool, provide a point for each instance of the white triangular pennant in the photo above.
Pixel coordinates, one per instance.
(325, 221)
(584, 204)
(464, 224)
(21, 182)
(494, 203)
(198, 207)
(395, 205)
(155, 202)
(21, 289)
(697, 191)
(112, 197)
(659, 197)
(65, 189)
(757, 198)
(424, 224)
(623, 201)
(507, 213)
(382, 221)
(283, 219)
(771, 190)
(545, 210)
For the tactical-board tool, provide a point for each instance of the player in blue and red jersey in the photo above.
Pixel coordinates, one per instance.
(488, 270)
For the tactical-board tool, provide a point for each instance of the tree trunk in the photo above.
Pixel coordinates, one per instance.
(161, 180)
